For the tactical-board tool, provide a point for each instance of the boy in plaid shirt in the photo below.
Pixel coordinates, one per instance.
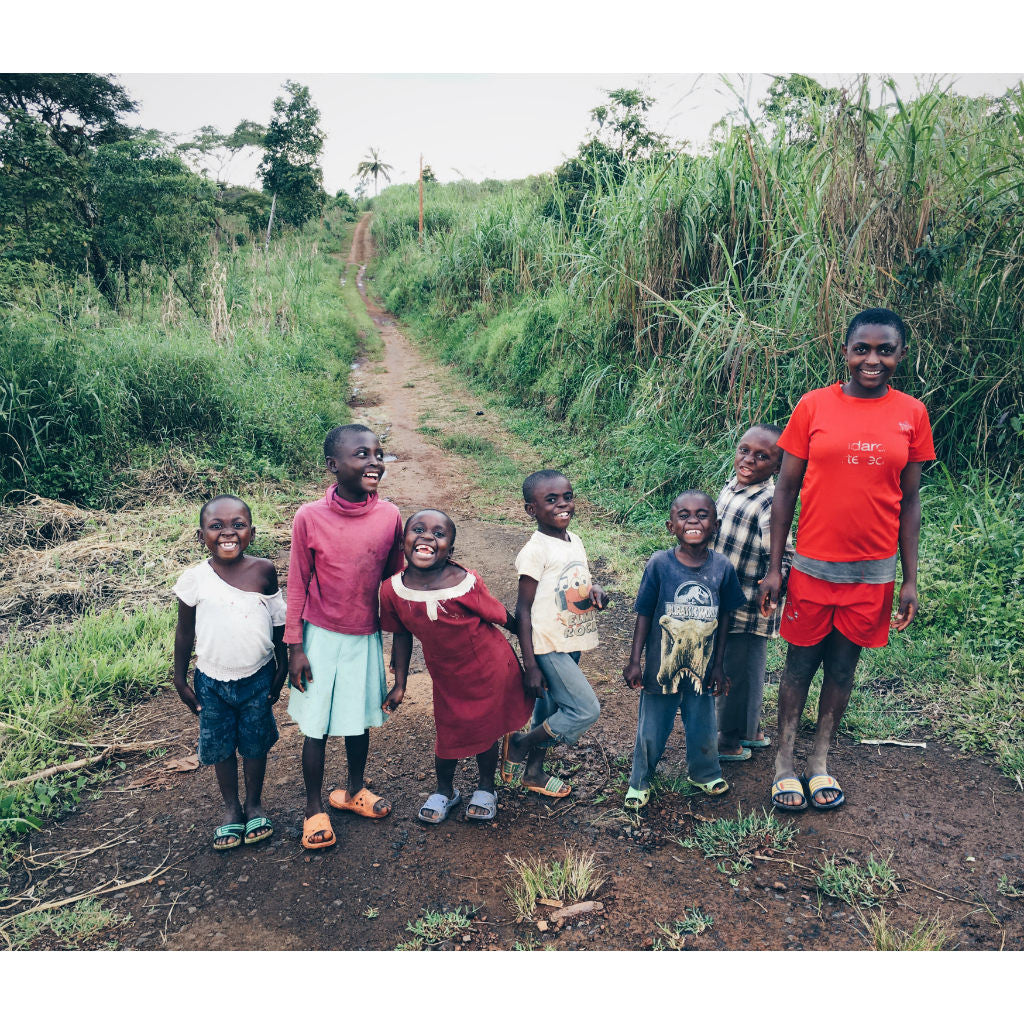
(744, 513)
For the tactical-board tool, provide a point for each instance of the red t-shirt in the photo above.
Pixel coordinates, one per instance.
(856, 449)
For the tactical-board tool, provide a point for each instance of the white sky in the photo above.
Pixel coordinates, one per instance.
(492, 90)
(473, 126)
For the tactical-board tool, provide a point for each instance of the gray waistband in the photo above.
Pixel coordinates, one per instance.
(878, 570)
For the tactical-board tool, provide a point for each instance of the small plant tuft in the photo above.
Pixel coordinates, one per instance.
(676, 934)
(863, 886)
(570, 880)
(927, 935)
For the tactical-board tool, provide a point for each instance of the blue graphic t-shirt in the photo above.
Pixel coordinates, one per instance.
(683, 605)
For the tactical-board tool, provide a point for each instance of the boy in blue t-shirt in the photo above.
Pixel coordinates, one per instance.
(690, 592)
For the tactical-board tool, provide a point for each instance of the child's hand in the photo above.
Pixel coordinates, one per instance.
(300, 672)
(718, 682)
(188, 697)
(632, 674)
(533, 682)
(907, 607)
(395, 697)
(598, 596)
(769, 592)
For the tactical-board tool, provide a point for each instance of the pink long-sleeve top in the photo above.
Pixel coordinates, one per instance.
(340, 553)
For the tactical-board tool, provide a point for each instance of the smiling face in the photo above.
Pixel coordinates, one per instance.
(357, 464)
(693, 520)
(757, 457)
(226, 529)
(872, 354)
(553, 505)
(429, 540)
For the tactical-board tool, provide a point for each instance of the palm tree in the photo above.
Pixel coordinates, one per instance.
(374, 167)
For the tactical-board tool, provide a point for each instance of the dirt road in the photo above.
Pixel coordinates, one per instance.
(950, 824)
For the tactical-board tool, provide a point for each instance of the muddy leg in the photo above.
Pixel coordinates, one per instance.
(801, 664)
(839, 665)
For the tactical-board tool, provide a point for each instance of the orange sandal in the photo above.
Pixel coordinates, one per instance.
(317, 823)
(362, 803)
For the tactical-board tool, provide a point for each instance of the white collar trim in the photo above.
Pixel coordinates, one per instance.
(432, 598)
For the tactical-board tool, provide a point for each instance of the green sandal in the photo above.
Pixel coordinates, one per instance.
(554, 787)
(234, 831)
(716, 787)
(637, 798)
(257, 823)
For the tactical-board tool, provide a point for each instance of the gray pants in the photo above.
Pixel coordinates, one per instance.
(654, 726)
(569, 707)
(739, 711)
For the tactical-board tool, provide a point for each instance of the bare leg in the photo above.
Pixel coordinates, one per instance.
(254, 770)
(839, 665)
(801, 664)
(356, 750)
(227, 781)
(531, 747)
(487, 765)
(313, 751)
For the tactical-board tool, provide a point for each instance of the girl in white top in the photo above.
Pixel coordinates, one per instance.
(230, 609)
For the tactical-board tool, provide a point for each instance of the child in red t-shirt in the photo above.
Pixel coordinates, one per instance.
(854, 453)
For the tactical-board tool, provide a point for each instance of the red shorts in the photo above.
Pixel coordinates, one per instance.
(860, 611)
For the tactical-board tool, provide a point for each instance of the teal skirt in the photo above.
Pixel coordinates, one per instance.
(348, 687)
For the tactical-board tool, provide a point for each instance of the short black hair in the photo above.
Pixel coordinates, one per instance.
(451, 522)
(222, 497)
(690, 491)
(334, 436)
(534, 479)
(768, 428)
(878, 316)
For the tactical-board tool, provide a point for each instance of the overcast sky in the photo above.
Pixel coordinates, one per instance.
(465, 125)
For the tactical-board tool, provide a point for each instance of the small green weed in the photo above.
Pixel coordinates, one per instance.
(370, 913)
(676, 934)
(571, 879)
(70, 925)
(436, 926)
(855, 885)
(736, 842)
(1011, 890)
(928, 934)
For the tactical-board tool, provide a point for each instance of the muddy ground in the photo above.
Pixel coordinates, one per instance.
(951, 824)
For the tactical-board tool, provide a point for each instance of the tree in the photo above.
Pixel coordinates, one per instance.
(374, 167)
(428, 173)
(798, 105)
(290, 166)
(621, 136)
(209, 146)
(80, 111)
(152, 208)
(622, 125)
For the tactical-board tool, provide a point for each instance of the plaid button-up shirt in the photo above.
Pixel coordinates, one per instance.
(744, 537)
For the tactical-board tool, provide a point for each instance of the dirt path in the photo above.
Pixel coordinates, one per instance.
(952, 824)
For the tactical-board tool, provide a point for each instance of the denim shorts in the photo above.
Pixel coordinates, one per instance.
(235, 715)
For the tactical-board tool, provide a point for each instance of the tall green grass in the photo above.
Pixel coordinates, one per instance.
(58, 689)
(636, 336)
(253, 381)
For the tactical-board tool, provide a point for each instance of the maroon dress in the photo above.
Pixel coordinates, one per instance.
(478, 683)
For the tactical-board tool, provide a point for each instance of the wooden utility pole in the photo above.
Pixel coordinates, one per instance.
(421, 199)
(270, 223)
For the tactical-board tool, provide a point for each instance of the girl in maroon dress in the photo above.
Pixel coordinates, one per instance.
(478, 682)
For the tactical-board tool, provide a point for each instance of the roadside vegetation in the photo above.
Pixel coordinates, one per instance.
(634, 311)
(176, 353)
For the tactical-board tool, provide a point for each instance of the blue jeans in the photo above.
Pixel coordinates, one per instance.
(235, 715)
(570, 706)
(655, 719)
(739, 711)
